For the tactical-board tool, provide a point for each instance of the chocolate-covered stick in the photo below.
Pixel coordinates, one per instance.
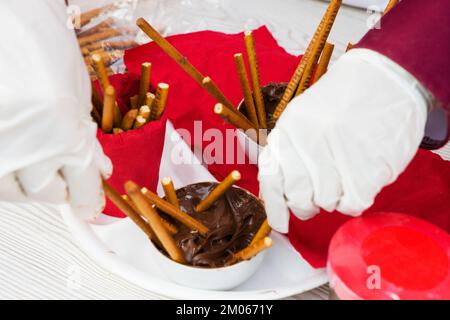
(144, 82)
(254, 75)
(146, 209)
(318, 46)
(169, 191)
(109, 102)
(218, 191)
(128, 119)
(248, 97)
(174, 212)
(262, 232)
(123, 205)
(324, 61)
(390, 5)
(160, 101)
(251, 251)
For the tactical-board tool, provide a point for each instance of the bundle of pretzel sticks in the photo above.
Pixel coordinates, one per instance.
(140, 205)
(144, 106)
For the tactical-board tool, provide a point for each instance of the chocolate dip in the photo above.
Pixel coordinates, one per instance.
(233, 221)
(272, 94)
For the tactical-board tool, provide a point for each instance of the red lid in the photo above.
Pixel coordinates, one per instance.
(390, 256)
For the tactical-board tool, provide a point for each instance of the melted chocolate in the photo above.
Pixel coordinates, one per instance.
(272, 94)
(233, 221)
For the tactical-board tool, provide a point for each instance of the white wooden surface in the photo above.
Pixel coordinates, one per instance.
(38, 256)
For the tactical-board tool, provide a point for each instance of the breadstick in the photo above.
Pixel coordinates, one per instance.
(218, 191)
(174, 212)
(128, 119)
(144, 82)
(254, 76)
(318, 47)
(153, 220)
(160, 101)
(109, 102)
(262, 232)
(251, 251)
(248, 97)
(390, 5)
(169, 191)
(324, 61)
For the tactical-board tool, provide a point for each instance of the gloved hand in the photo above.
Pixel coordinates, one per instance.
(340, 142)
(48, 146)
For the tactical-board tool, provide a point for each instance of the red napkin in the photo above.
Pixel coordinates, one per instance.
(423, 190)
(135, 154)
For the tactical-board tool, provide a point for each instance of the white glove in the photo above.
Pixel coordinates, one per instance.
(48, 146)
(338, 144)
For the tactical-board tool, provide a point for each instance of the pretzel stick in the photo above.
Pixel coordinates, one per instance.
(144, 112)
(105, 24)
(213, 90)
(389, 6)
(87, 16)
(152, 217)
(248, 97)
(134, 102)
(149, 100)
(160, 101)
(169, 191)
(262, 232)
(251, 251)
(96, 116)
(96, 100)
(218, 191)
(254, 76)
(102, 35)
(298, 73)
(139, 122)
(117, 130)
(239, 122)
(182, 61)
(144, 82)
(109, 45)
(120, 203)
(170, 227)
(101, 71)
(128, 119)
(174, 212)
(349, 46)
(324, 61)
(318, 47)
(109, 102)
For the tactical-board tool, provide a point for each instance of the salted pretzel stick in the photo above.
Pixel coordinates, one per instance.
(123, 205)
(251, 251)
(170, 227)
(102, 35)
(318, 47)
(324, 61)
(144, 82)
(349, 46)
(146, 209)
(128, 119)
(134, 102)
(218, 191)
(160, 101)
(254, 76)
(109, 102)
(182, 61)
(298, 73)
(389, 6)
(169, 191)
(117, 130)
(262, 232)
(174, 212)
(248, 97)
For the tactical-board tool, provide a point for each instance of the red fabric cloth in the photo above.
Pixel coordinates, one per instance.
(423, 190)
(135, 154)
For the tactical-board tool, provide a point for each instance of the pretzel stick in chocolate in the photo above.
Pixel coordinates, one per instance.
(254, 76)
(109, 102)
(144, 82)
(218, 191)
(251, 251)
(170, 227)
(174, 212)
(123, 205)
(169, 191)
(324, 61)
(182, 61)
(238, 121)
(318, 47)
(128, 119)
(146, 209)
(390, 5)
(248, 97)
(262, 232)
(160, 101)
(298, 73)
